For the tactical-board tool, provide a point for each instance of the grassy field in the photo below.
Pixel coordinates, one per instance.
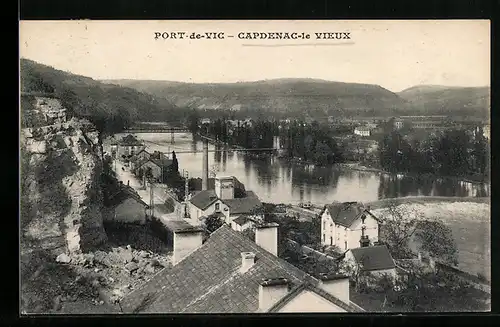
(469, 220)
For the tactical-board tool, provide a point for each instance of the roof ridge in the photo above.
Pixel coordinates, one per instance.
(163, 270)
(285, 299)
(327, 296)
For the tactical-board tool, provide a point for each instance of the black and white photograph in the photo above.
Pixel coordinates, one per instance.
(259, 166)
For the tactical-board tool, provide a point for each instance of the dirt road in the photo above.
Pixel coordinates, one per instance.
(159, 193)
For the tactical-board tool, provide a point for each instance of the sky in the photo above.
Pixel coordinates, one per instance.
(393, 54)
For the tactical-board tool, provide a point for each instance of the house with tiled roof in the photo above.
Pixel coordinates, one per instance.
(244, 222)
(345, 224)
(125, 205)
(377, 260)
(127, 146)
(156, 164)
(230, 273)
(221, 199)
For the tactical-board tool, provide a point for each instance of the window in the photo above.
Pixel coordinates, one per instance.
(217, 206)
(323, 238)
(331, 240)
(345, 245)
(324, 224)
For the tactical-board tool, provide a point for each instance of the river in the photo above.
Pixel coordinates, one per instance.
(279, 181)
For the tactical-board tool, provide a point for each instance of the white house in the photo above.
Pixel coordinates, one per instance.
(362, 131)
(486, 131)
(376, 260)
(221, 200)
(343, 224)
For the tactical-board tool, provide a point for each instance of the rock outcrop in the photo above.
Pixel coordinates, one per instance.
(62, 190)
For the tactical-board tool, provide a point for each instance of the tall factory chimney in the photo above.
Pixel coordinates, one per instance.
(204, 183)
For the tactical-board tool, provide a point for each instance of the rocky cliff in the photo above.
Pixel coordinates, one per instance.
(61, 200)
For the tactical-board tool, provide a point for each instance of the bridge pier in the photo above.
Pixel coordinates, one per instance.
(172, 140)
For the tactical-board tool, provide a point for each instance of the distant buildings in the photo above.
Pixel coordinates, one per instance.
(346, 224)
(204, 121)
(398, 123)
(230, 273)
(362, 131)
(486, 131)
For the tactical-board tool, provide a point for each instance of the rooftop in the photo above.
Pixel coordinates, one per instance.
(208, 282)
(203, 199)
(346, 213)
(129, 140)
(243, 205)
(121, 194)
(374, 257)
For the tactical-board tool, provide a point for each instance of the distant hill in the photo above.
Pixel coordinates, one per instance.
(446, 100)
(109, 107)
(285, 96)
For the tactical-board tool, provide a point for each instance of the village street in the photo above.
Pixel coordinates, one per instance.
(159, 192)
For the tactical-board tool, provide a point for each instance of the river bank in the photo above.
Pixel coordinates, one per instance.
(383, 203)
(468, 218)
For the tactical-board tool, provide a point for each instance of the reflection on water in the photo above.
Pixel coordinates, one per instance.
(279, 181)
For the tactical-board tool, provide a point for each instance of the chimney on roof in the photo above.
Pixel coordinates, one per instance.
(271, 290)
(224, 187)
(247, 261)
(186, 240)
(266, 236)
(336, 285)
(364, 241)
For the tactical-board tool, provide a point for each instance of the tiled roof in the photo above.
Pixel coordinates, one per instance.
(129, 140)
(208, 282)
(163, 162)
(308, 286)
(203, 199)
(241, 220)
(345, 214)
(243, 205)
(125, 192)
(373, 257)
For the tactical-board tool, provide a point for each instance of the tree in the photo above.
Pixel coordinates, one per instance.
(399, 224)
(212, 223)
(322, 154)
(436, 239)
(424, 290)
(193, 121)
(174, 167)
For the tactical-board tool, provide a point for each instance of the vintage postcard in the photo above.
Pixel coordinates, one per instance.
(254, 166)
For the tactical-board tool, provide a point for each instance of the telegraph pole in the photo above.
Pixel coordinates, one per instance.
(186, 186)
(186, 191)
(151, 199)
